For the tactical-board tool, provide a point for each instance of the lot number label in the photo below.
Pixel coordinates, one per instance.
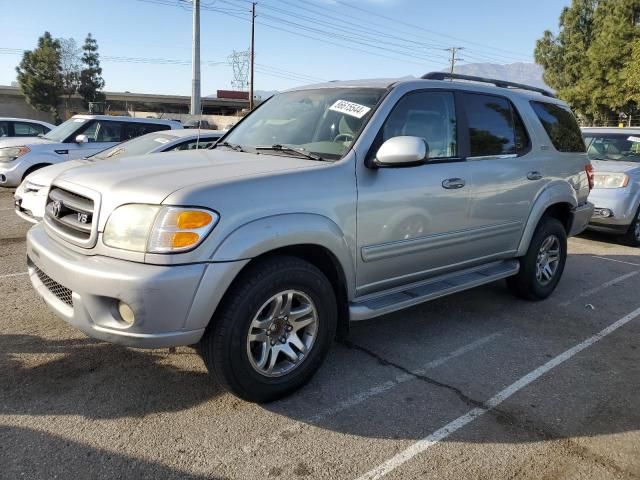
(350, 108)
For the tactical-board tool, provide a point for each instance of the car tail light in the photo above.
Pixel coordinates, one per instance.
(589, 170)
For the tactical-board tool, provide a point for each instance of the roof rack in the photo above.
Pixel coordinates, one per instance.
(497, 83)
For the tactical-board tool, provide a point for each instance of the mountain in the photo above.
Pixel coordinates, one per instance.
(527, 73)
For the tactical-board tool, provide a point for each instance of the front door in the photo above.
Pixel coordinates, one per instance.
(411, 221)
(102, 134)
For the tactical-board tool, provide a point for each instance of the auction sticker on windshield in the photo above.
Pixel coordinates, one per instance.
(634, 139)
(350, 108)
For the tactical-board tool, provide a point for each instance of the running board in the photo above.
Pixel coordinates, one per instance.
(374, 305)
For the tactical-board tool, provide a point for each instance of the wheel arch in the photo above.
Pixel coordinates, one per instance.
(34, 167)
(557, 201)
(310, 237)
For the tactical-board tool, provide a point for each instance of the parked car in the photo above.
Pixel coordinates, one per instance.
(325, 205)
(31, 196)
(23, 127)
(78, 137)
(615, 156)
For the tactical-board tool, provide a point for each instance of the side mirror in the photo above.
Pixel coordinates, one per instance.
(82, 139)
(402, 152)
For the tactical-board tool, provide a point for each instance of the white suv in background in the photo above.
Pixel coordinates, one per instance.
(78, 137)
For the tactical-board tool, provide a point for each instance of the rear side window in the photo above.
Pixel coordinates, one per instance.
(560, 125)
(22, 129)
(133, 130)
(4, 129)
(495, 128)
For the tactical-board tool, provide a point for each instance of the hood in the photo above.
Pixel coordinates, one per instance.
(44, 176)
(151, 178)
(20, 141)
(614, 166)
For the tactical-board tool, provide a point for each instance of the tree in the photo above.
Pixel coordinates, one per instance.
(631, 74)
(91, 81)
(610, 53)
(564, 57)
(70, 62)
(39, 76)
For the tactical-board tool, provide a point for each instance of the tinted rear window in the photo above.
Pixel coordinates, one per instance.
(561, 126)
(494, 127)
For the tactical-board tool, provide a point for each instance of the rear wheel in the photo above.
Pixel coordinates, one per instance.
(272, 331)
(543, 264)
(632, 237)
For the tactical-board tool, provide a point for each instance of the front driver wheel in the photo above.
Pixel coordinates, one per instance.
(543, 264)
(273, 329)
(632, 236)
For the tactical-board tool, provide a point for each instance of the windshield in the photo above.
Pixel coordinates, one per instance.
(137, 146)
(613, 146)
(324, 122)
(66, 129)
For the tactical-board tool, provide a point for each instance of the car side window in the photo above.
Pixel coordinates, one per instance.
(23, 129)
(194, 144)
(560, 125)
(428, 115)
(4, 129)
(495, 128)
(103, 131)
(133, 130)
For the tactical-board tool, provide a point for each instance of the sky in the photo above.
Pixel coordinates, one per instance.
(145, 45)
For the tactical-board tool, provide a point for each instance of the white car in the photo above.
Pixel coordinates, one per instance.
(31, 196)
(23, 127)
(78, 137)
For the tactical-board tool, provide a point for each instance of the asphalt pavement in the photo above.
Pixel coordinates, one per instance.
(476, 385)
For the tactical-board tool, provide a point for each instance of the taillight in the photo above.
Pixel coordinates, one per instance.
(589, 170)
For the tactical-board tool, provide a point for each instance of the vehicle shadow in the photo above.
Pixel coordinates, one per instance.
(33, 454)
(97, 380)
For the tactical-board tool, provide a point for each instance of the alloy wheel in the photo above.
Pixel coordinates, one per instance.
(282, 333)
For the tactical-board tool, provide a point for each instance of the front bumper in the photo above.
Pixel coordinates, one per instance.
(580, 218)
(11, 173)
(622, 205)
(172, 304)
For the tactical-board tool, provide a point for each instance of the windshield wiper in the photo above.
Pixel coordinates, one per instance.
(232, 146)
(289, 149)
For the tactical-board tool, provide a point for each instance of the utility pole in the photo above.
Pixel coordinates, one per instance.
(454, 51)
(252, 55)
(195, 61)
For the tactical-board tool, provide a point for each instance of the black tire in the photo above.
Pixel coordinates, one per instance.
(526, 283)
(632, 237)
(224, 345)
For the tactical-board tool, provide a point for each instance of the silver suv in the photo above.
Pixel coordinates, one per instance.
(327, 204)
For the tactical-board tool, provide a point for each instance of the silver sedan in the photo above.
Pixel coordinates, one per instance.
(615, 156)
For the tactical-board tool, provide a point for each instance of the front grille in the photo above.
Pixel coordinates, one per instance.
(61, 292)
(70, 214)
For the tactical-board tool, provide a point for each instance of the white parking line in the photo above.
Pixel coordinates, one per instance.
(372, 391)
(617, 261)
(594, 290)
(8, 275)
(493, 402)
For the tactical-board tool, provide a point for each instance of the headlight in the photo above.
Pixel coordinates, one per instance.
(8, 154)
(156, 229)
(610, 180)
(31, 187)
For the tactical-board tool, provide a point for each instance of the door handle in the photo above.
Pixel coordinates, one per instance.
(453, 183)
(534, 175)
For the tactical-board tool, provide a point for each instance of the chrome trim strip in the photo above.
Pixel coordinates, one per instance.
(372, 253)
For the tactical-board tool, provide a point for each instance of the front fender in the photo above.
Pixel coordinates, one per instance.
(555, 193)
(270, 233)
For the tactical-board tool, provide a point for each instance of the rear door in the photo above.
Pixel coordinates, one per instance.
(506, 175)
